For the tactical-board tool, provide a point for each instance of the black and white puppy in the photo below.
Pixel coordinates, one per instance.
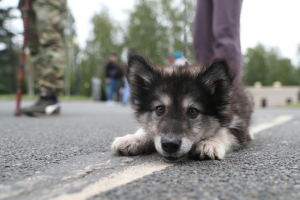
(186, 111)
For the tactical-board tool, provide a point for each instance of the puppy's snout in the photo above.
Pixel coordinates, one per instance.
(170, 145)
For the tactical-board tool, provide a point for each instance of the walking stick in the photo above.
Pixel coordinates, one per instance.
(22, 58)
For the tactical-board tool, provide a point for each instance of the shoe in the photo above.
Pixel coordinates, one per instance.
(43, 107)
(110, 103)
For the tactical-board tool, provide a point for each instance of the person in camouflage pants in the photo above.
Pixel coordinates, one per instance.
(45, 40)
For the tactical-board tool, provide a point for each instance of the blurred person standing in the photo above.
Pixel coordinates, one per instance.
(179, 60)
(96, 88)
(217, 32)
(45, 40)
(113, 73)
(170, 59)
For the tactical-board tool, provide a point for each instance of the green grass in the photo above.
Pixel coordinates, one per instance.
(26, 96)
(294, 104)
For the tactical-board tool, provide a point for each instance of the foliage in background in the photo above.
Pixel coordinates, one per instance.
(72, 51)
(173, 12)
(103, 41)
(9, 53)
(298, 55)
(266, 65)
(146, 33)
(154, 28)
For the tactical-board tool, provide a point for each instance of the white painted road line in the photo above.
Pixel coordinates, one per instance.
(117, 179)
(133, 173)
(277, 121)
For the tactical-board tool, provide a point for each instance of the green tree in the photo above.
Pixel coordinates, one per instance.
(286, 72)
(298, 70)
(104, 40)
(9, 53)
(173, 12)
(255, 68)
(156, 28)
(72, 51)
(267, 66)
(146, 33)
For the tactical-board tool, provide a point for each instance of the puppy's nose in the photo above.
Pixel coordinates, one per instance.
(170, 145)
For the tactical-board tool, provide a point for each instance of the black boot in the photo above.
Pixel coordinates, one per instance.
(45, 106)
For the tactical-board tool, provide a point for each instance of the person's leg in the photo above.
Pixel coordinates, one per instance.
(50, 61)
(110, 91)
(47, 51)
(93, 92)
(226, 31)
(114, 87)
(202, 35)
(97, 93)
(126, 93)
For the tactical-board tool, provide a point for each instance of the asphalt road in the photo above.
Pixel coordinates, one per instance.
(69, 157)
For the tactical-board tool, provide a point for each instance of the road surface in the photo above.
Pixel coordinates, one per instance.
(69, 157)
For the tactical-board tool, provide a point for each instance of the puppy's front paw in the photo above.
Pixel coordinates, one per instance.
(211, 149)
(128, 145)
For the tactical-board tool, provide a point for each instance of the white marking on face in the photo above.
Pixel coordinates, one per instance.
(186, 146)
(157, 143)
(163, 100)
(189, 102)
(166, 100)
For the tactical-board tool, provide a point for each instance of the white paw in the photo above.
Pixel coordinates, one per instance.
(127, 145)
(211, 149)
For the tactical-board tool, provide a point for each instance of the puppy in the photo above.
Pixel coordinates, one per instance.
(185, 111)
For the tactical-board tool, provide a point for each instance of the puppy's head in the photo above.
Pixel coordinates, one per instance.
(179, 106)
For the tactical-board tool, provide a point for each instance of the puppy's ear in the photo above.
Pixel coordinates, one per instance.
(217, 77)
(139, 70)
(140, 75)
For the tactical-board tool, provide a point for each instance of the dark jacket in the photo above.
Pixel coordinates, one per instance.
(113, 70)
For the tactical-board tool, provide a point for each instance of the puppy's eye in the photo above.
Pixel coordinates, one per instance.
(160, 110)
(192, 113)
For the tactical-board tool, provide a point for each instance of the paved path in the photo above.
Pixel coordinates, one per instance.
(69, 157)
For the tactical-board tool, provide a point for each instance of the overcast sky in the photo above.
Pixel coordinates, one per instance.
(271, 22)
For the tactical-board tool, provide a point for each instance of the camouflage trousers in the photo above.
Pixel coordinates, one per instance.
(46, 29)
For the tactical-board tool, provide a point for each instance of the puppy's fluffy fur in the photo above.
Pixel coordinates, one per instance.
(185, 111)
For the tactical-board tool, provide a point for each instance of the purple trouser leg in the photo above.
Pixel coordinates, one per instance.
(217, 32)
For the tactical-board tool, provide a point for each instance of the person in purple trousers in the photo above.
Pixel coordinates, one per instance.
(217, 32)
